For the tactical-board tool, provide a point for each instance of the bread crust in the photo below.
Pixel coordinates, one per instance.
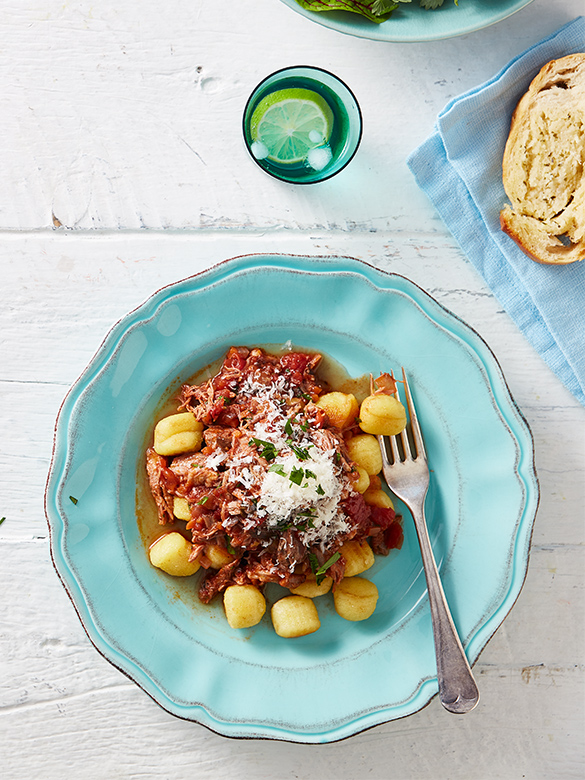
(543, 168)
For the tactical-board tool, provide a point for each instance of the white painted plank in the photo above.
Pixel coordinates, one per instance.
(63, 293)
(63, 706)
(123, 116)
(69, 290)
(119, 117)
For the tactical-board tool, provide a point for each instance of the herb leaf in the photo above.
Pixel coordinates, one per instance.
(335, 557)
(267, 449)
(381, 7)
(369, 10)
(319, 571)
(296, 476)
(73, 499)
(300, 452)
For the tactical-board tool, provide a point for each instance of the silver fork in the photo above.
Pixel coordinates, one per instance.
(407, 473)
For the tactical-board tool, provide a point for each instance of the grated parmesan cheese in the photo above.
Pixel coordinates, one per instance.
(314, 499)
(213, 461)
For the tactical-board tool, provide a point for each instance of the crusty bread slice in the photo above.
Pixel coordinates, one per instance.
(544, 165)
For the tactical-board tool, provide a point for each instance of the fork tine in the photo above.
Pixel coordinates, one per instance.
(402, 435)
(382, 439)
(393, 448)
(393, 440)
(415, 427)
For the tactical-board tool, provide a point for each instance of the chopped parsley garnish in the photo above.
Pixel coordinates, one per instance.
(203, 500)
(302, 520)
(73, 499)
(284, 525)
(300, 452)
(267, 449)
(319, 571)
(296, 476)
(230, 549)
(2, 519)
(310, 515)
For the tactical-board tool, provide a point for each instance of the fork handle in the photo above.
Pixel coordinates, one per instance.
(458, 691)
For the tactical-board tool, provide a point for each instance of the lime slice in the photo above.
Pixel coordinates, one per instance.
(289, 123)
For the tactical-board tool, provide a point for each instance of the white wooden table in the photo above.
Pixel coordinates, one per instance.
(122, 170)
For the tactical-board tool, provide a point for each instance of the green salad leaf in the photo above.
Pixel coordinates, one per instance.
(376, 11)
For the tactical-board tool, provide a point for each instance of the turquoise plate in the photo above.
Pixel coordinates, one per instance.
(346, 677)
(410, 23)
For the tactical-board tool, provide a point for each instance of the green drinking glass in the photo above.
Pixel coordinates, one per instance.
(302, 125)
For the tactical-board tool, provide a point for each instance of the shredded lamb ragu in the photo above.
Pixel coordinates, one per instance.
(273, 483)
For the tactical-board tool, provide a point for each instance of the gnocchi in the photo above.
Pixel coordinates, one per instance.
(177, 434)
(310, 588)
(365, 451)
(355, 598)
(171, 552)
(362, 483)
(294, 616)
(181, 508)
(342, 408)
(358, 557)
(217, 556)
(378, 497)
(244, 606)
(382, 415)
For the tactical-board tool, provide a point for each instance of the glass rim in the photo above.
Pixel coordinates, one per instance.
(331, 75)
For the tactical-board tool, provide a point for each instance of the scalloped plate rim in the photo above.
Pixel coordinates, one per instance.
(426, 689)
(388, 31)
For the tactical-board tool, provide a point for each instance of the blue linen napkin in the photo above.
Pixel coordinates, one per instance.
(460, 169)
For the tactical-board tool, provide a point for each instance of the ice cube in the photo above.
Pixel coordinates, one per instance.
(319, 157)
(259, 150)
